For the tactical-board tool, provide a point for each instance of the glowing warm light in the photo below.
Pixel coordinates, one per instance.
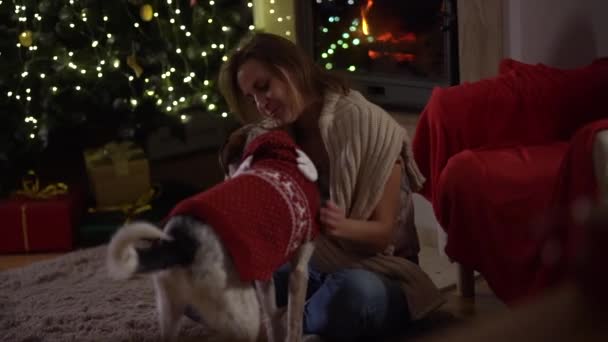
(388, 37)
(364, 11)
(397, 56)
(81, 67)
(400, 39)
(403, 57)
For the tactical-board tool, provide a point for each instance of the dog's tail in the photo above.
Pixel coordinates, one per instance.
(123, 259)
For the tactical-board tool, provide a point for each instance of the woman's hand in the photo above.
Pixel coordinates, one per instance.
(374, 234)
(333, 219)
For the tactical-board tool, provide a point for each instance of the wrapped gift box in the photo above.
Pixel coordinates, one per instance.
(97, 227)
(118, 173)
(40, 225)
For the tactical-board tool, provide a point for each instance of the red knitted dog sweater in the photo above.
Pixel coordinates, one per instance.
(265, 213)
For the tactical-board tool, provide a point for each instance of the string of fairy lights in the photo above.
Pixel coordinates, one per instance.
(166, 99)
(356, 32)
(283, 21)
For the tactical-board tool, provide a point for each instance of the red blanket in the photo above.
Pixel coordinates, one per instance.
(263, 215)
(502, 157)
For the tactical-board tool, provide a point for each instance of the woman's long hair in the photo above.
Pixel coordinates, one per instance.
(281, 56)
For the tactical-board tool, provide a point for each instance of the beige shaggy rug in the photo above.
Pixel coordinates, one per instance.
(71, 298)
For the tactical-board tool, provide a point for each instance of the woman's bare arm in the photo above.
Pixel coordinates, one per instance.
(372, 235)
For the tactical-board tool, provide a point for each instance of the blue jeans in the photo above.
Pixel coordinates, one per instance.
(348, 305)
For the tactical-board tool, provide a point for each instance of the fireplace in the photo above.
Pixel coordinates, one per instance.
(393, 51)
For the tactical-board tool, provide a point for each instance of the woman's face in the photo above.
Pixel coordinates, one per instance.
(270, 93)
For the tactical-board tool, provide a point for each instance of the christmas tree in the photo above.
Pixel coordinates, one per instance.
(108, 69)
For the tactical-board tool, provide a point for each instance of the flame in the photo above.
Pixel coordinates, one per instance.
(373, 54)
(398, 56)
(403, 57)
(364, 11)
(387, 37)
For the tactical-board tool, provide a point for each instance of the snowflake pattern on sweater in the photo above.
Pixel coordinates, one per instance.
(266, 212)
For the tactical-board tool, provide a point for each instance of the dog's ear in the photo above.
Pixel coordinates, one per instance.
(232, 149)
(221, 157)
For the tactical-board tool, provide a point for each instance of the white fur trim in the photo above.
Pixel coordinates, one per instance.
(306, 166)
(245, 165)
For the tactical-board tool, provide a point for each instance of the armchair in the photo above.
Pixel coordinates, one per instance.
(505, 159)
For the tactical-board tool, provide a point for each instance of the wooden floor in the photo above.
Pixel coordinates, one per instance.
(457, 311)
(19, 260)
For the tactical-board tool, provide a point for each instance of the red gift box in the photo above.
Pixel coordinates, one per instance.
(39, 225)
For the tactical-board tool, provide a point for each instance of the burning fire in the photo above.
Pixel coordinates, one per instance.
(398, 56)
(387, 38)
(364, 11)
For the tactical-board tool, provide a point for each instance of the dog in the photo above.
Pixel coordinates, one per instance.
(218, 249)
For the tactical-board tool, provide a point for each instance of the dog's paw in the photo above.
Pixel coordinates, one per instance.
(306, 166)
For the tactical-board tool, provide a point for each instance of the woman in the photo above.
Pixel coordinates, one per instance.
(361, 283)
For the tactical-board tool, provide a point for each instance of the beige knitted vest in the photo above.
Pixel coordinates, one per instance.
(363, 142)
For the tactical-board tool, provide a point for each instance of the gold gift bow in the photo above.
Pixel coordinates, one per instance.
(114, 151)
(119, 154)
(30, 187)
(131, 209)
